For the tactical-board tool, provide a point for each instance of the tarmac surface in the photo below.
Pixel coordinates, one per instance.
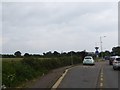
(48, 80)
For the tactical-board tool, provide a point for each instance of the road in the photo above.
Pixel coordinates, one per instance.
(101, 75)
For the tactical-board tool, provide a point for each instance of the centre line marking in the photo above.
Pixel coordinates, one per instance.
(101, 79)
(101, 84)
(101, 75)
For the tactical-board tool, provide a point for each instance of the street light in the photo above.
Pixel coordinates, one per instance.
(101, 45)
(71, 58)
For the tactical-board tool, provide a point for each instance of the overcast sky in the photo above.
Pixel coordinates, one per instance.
(37, 27)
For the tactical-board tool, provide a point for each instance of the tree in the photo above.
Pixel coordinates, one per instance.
(63, 54)
(71, 53)
(17, 54)
(8, 56)
(83, 54)
(26, 55)
(116, 50)
(48, 54)
(107, 53)
(56, 53)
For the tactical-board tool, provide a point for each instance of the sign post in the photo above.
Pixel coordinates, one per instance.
(97, 52)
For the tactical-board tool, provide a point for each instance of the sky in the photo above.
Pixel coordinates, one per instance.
(37, 27)
(119, 23)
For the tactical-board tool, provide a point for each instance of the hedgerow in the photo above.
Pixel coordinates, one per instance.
(15, 73)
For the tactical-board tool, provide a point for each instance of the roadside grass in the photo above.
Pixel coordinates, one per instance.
(99, 60)
(17, 71)
(0, 72)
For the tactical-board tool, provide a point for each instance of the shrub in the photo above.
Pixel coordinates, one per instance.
(15, 73)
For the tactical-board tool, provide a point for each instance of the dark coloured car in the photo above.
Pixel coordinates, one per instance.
(111, 60)
(107, 57)
(116, 63)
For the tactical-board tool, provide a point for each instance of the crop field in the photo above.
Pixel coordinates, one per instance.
(11, 59)
(18, 59)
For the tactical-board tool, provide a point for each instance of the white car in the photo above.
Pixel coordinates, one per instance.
(116, 63)
(88, 60)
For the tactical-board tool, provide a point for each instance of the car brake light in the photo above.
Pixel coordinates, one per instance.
(115, 62)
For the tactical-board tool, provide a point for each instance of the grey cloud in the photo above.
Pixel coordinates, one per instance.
(34, 13)
(55, 26)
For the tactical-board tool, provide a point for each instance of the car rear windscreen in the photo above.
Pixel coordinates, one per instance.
(118, 59)
(87, 58)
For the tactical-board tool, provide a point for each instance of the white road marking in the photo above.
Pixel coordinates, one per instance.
(59, 80)
(101, 79)
(101, 75)
(101, 84)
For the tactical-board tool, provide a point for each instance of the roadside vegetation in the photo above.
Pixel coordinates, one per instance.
(18, 69)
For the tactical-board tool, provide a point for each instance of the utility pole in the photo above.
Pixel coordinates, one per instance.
(71, 58)
(101, 45)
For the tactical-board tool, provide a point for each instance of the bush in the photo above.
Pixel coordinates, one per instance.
(17, 72)
(7, 71)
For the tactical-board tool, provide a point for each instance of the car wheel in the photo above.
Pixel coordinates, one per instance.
(93, 64)
(110, 63)
(114, 68)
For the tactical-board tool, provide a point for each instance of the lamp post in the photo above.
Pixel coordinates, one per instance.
(101, 45)
(71, 58)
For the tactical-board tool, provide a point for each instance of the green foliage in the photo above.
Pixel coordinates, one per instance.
(7, 56)
(11, 59)
(116, 50)
(7, 70)
(17, 54)
(15, 73)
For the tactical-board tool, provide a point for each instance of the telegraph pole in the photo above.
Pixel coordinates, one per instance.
(101, 45)
(71, 58)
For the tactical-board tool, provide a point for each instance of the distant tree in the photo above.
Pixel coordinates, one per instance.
(17, 54)
(104, 54)
(71, 53)
(116, 50)
(48, 54)
(78, 53)
(63, 54)
(83, 54)
(7, 56)
(26, 55)
(37, 55)
(107, 53)
(55, 53)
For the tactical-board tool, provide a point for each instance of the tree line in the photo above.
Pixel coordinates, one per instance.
(50, 54)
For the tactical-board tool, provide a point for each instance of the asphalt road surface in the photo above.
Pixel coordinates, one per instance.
(101, 75)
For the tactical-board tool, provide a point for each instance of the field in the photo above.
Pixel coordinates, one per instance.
(11, 59)
(17, 59)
